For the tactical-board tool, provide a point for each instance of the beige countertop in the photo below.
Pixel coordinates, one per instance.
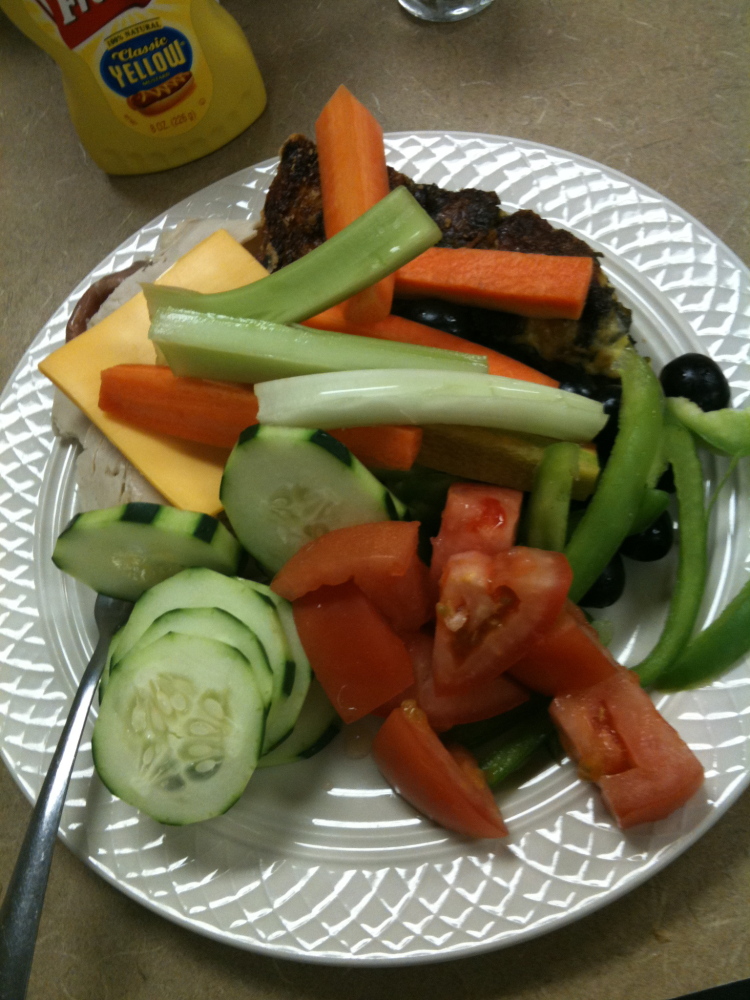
(655, 88)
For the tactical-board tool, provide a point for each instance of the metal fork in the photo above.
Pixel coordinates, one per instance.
(22, 906)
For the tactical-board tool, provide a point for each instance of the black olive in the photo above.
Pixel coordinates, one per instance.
(605, 439)
(581, 384)
(699, 378)
(495, 328)
(609, 394)
(608, 587)
(653, 543)
(446, 316)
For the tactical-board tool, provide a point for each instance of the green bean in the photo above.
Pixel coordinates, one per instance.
(511, 750)
(549, 503)
(613, 508)
(680, 450)
(474, 734)
(714, 649)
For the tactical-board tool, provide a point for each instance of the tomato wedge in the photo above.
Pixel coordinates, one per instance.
(490, 608)
(353, 651)
(614, 732)
(476, 518)
(446, 785)
(381, 558)
(384, 710)
(490, 698)
(569, 657)
(406, 601)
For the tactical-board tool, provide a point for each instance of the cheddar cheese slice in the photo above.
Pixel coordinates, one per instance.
(187, 474)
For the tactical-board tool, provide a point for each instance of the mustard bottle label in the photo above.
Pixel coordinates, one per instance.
(143, 53)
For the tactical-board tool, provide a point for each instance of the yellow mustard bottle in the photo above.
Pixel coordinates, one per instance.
(150, 84)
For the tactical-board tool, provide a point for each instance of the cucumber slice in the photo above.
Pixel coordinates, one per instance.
(111, 653)
(213, 623)
(283, 486)
(123, 551)
(316, 726)
(285, 710)
(197, 588)
(180, 730)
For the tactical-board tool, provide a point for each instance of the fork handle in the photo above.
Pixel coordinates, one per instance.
(24, 897)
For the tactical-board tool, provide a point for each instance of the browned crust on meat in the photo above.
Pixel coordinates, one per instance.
(293, 211)
(526, 232)
(293, 225)
(467, 218)
(293, 214)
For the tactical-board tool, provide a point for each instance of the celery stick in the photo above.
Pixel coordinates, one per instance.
(411, 396)
(250, 350)
(390, 234)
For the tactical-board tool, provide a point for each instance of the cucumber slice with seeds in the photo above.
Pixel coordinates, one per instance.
(180, 730)
(283, 486)
(197, 588)
(123, 551)
(213, 623)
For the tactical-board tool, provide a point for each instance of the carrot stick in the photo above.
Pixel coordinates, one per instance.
(216, 413)
(353, 177)
(383, 447)
(529, 284)
(195, 409)
(408, 332)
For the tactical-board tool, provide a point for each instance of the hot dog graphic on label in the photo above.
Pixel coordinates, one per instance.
(152, 71)
(158, 99)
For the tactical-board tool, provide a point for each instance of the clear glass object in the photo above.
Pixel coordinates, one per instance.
(444, 10)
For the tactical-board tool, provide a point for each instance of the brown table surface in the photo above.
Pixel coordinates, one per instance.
(655, 88)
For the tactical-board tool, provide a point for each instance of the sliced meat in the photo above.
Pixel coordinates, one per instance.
(106, 479)
(94, 298)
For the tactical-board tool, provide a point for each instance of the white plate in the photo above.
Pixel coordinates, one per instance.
(319, 860)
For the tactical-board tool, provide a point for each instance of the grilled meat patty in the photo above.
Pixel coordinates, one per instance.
(293, 225)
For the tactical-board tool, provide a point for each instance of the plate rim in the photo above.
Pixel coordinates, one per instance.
(586, 906)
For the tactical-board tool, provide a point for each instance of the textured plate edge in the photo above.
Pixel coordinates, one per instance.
(587, 906)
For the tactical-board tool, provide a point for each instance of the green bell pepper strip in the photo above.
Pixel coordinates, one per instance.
(714, 649)
(725, 431)
(687, 594)
(609, 517)
(549, 504)
(653, 503)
